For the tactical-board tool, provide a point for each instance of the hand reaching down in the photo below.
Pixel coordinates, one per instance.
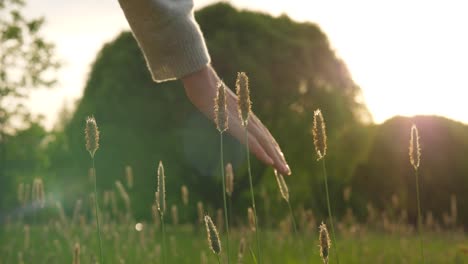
(200, 88)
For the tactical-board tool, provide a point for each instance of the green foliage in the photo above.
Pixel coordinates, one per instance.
(26, 61)
(387, 170)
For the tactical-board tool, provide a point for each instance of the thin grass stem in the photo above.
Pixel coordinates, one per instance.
(329, 210)
(296, 234)
(96, 205)
(224, 195)
(416, 172)
(257, 230)
(163, 238)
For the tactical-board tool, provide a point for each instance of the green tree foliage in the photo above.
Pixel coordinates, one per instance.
(292, 71)
(27, 61)
(443, 170)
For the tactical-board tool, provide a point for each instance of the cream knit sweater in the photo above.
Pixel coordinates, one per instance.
(169, 36)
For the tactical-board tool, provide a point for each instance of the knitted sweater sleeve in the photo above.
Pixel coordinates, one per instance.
(168, 35)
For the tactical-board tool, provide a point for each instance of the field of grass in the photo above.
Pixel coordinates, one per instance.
(34, 235)
(55, 243)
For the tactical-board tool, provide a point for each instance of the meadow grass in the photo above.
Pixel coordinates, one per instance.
(51, 244)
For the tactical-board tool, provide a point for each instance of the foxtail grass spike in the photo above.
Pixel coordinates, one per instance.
(213, 236)
(161, 189)
(243, 94)
(325, 243)
(200, 212)
(129, 176)
(320, 135)
(91, 136)
(251, 218)
(185, 195)
(220, 108)
(92, 145)
(175, 215)
(415, 158)
(283, 187)
(76, 254)
(241, 252)
(229, 179)
(414, 148)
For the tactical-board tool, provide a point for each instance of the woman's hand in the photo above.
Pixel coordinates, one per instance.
(200, 88)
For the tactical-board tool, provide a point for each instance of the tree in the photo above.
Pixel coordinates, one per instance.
(27, 61)
(292, 71)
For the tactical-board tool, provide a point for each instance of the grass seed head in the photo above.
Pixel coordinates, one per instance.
(251, 218)
(123, 194)
(91, 136)
(129, 176)
(243, 94)
(242, 246)
(200, 212)
(220, 219)
(414, 148)
(325, 243)
(320, 135)
(185, 195)
(175, 215)
(76, 254)
(161, 189)
(229, 179)
(213, 236)
(220, 108)
(283, 187)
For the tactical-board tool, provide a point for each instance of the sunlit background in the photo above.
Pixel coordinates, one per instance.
(409, 57)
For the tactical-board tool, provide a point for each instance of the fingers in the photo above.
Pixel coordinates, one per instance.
(269, 144)
(261, 142)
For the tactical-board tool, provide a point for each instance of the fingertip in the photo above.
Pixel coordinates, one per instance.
(288, 170)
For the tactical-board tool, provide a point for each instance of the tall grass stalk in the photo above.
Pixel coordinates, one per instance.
(224, 197)
(320, 142)
(96, 205)
(415, 160)
(221, 119)
(416, 172)
(332, 226)
(244, 106)
(161, 203)
(164, 248)
(92, 145)
(252, 195)
(284, 191)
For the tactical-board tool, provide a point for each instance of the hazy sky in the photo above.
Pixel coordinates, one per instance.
(409, 57)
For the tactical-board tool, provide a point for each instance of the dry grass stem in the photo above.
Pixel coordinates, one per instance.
(283, 187)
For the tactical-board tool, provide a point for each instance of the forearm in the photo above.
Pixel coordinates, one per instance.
(168, 35)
